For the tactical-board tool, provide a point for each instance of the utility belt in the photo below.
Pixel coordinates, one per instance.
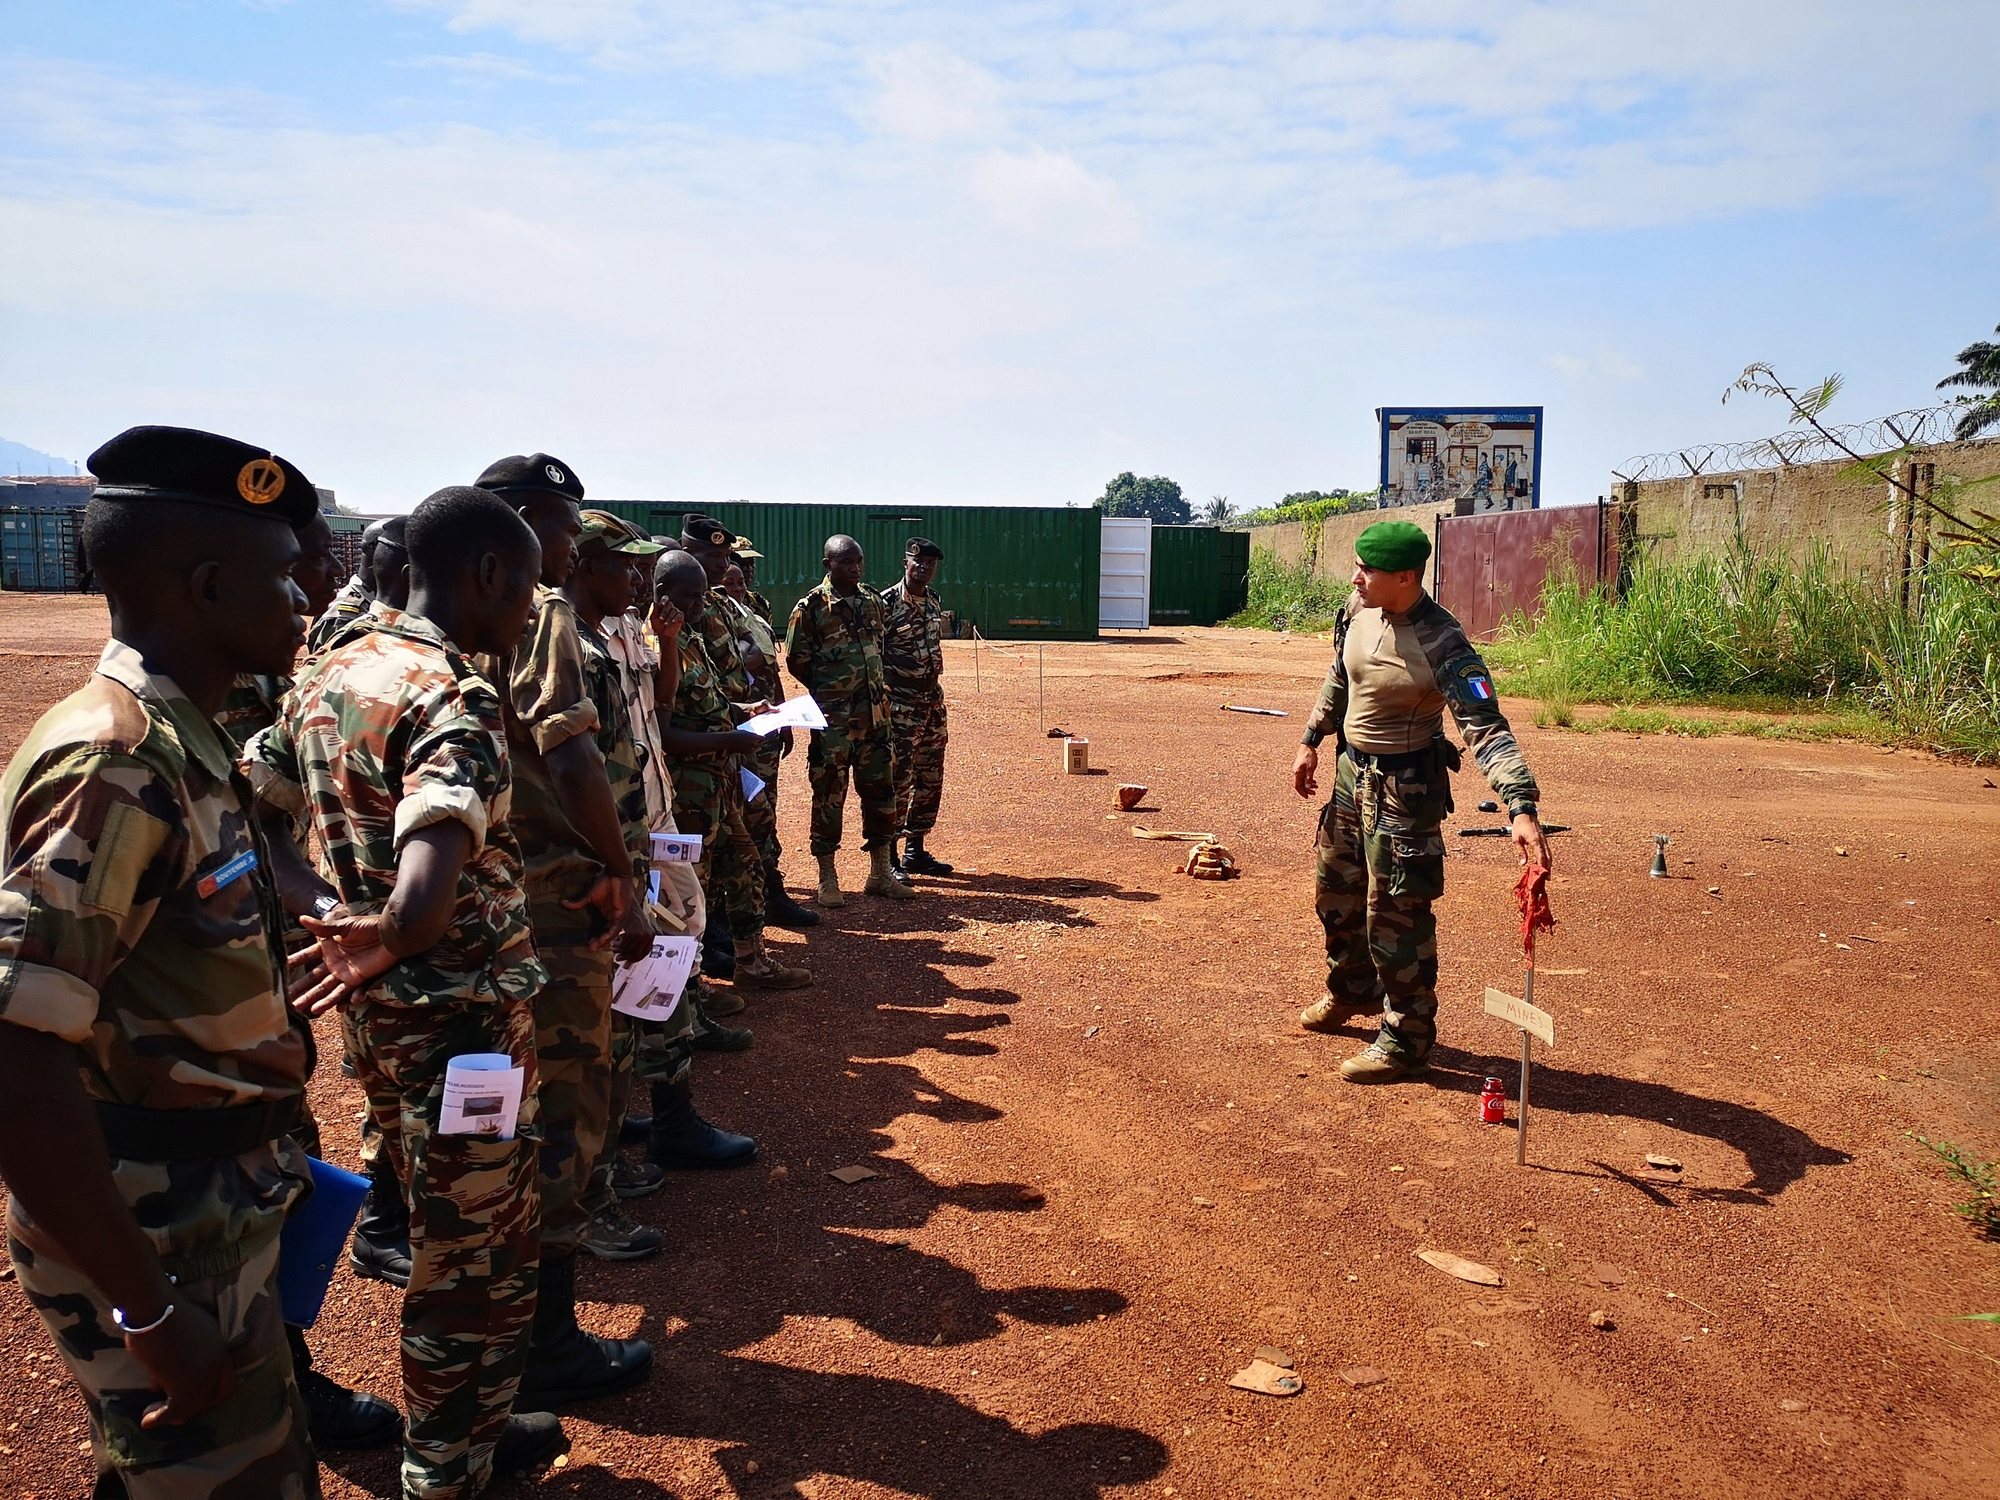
(1439, 754)
(137, 1134)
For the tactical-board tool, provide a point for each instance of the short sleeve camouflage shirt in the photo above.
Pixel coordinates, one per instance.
(912, 642)
(834, 647)
(135, 917)
(390, 733)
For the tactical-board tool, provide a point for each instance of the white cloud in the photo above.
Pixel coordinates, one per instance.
(928, 94)
(1048, 196)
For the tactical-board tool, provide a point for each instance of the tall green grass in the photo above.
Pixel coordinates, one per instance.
(1288, 596)
(1744, 628)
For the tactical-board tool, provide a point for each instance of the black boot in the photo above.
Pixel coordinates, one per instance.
(920, 861)
(780, 910)
(565, 1364)
(718, 949)
(710, 1035)
(636, 1131)
(335, 1416)
(896, 870)
(682, 1138)
(381, 1248)
(529, 1440)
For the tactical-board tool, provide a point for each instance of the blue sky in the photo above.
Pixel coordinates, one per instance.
(994, 252)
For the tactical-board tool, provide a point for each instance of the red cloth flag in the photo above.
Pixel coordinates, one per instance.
(1532, 893)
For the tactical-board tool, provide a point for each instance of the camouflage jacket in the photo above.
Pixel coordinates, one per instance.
(721, 631)
(1431, 666)
(604, 680)
(347, 604)
(834, 648)
(136, 917)
(912, 643)
(250, 705)
(546, 701)
(762, 605)
(631, 644)
(699, 704)
(356, 626)
(388, 734)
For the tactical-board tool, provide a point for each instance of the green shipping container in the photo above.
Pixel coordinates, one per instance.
(1233, 588)
(1187, 575)
(1013, 572)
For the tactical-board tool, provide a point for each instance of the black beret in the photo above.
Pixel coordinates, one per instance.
(706, 529)
(923, 547)
(202, 468)
(531, 471)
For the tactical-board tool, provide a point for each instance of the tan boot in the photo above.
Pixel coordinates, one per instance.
(1325, 1013)
(880, 881)
(1376, 1063)
(756, 968)
(829, 884)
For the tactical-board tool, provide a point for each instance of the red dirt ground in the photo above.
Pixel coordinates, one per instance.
(1112, 1165)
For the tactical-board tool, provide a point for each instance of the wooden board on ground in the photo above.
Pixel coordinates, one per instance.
(1537, 1023)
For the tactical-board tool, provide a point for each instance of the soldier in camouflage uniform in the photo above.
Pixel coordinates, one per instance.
(704, 757)
(729, 632)
(833, 646)
(583, 900)
(150, 1072)
(1401, 660)
(913, 665)
(747, 558)
(339, 1417)
(351, 598)
(393, 746)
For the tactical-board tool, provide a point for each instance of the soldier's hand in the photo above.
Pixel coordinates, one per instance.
(347, 955)
(1305, 768)
(667, 620)
(1530, 840)
(611, 894)
(784, 742)
(635, 938)
(742, 742)
(188, 1362)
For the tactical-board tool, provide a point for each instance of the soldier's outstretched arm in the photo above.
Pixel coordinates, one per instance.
(1475, 707)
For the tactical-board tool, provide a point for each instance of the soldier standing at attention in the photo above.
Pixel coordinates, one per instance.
(729, 640)
(834, 648)
(1399, 662)
(747, 558)
(582, 899)
(705, 750)
(151, 1076)
(393, 746)
(352, 597)
(913, 664)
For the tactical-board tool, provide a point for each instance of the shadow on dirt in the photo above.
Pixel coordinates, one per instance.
(1778, 1153)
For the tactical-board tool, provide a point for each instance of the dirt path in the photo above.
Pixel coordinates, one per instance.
(1079, 1234)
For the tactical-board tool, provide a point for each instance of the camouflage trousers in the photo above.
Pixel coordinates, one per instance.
(252, 1443)
(760, 814)
(573, 1054)
(918, 729)
(1379, 864)
(474, 1232)
(868, 751)
(708, 800)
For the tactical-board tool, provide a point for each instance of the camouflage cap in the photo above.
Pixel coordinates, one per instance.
(743, 547)
(604, 532)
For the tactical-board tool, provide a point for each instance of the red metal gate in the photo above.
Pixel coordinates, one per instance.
(1485, 568)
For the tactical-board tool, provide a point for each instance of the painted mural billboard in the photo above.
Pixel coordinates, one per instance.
(1486, 458)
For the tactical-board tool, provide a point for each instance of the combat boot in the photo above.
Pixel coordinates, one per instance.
(717, 959)
(565, 1364)
(682, 1138)
(335, 1416)
(708, 1002)
(882, 880)
(757, 969)
(917, 860)
(612, 1235)
(635, 1179)
(829, 894)
(1325, 1013)
(713, 1036)
(1380, 1063)
(381, 1247)
(780, 910)
(528, 1441)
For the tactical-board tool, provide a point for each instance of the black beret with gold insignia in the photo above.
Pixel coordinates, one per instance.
(202, 468)
(531, 471)
(697, 527)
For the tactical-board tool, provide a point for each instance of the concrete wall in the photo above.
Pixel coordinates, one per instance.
(1789, 511)
(1330, 543)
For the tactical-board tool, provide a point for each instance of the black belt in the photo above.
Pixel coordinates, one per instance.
(136, 1134)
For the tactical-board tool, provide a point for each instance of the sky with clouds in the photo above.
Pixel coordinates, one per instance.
(861, 250)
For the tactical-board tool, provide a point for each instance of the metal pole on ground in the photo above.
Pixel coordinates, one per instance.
(1041, 705)
(1527, 1042)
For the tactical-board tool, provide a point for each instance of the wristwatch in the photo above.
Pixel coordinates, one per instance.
(1528, 808)
(324, 906)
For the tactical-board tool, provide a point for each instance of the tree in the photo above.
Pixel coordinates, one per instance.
(1218, 511)
(1158, 498)
(1979, 370)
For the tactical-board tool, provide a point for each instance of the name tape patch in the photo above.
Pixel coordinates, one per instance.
(227, 874)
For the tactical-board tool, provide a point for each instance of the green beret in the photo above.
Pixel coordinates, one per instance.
(1393, 546)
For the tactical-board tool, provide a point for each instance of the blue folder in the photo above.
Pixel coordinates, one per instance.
(313, 1239)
